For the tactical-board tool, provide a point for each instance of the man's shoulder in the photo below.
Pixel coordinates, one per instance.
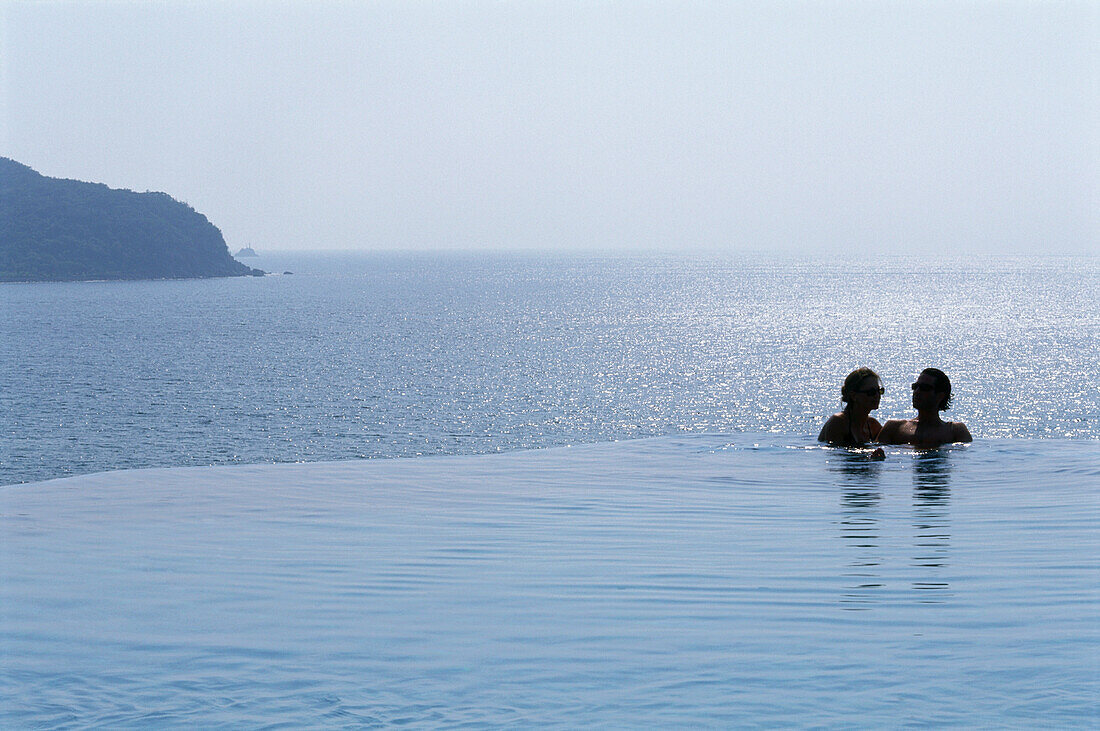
(959, 432)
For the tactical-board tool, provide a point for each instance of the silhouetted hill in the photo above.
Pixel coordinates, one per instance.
(58, 230)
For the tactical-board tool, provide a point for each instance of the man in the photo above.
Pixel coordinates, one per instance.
(931, 395)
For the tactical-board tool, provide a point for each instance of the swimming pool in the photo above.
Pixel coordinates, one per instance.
(705, 579)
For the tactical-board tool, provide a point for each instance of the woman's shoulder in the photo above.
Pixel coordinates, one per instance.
(835, 428)
(837, 420)
(876, 427)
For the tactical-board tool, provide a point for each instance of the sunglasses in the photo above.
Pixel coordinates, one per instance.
(923, 387)
(872, 391)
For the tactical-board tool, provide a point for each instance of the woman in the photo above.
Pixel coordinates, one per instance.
(854, 426)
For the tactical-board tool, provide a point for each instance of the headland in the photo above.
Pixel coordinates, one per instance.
(54, 229)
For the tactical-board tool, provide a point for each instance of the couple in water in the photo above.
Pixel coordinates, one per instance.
(855, 427)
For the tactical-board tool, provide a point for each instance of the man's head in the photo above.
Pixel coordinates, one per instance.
(935, 385)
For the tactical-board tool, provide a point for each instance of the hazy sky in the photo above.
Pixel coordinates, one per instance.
(840, 126)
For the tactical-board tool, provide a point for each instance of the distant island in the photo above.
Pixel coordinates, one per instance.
(247, 251)
(52, 229)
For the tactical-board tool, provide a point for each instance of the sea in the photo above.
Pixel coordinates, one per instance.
(508, 490)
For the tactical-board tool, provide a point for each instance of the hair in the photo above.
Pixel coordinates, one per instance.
(853, 380)
(942, 385)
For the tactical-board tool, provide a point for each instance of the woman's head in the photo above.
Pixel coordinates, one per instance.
(861, 381)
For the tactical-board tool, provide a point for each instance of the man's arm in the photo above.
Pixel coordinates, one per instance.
(960, 433)
(889, 432)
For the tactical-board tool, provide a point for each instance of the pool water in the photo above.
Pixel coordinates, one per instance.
(699, 579)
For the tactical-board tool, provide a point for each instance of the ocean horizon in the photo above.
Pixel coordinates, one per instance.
(403, 355)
